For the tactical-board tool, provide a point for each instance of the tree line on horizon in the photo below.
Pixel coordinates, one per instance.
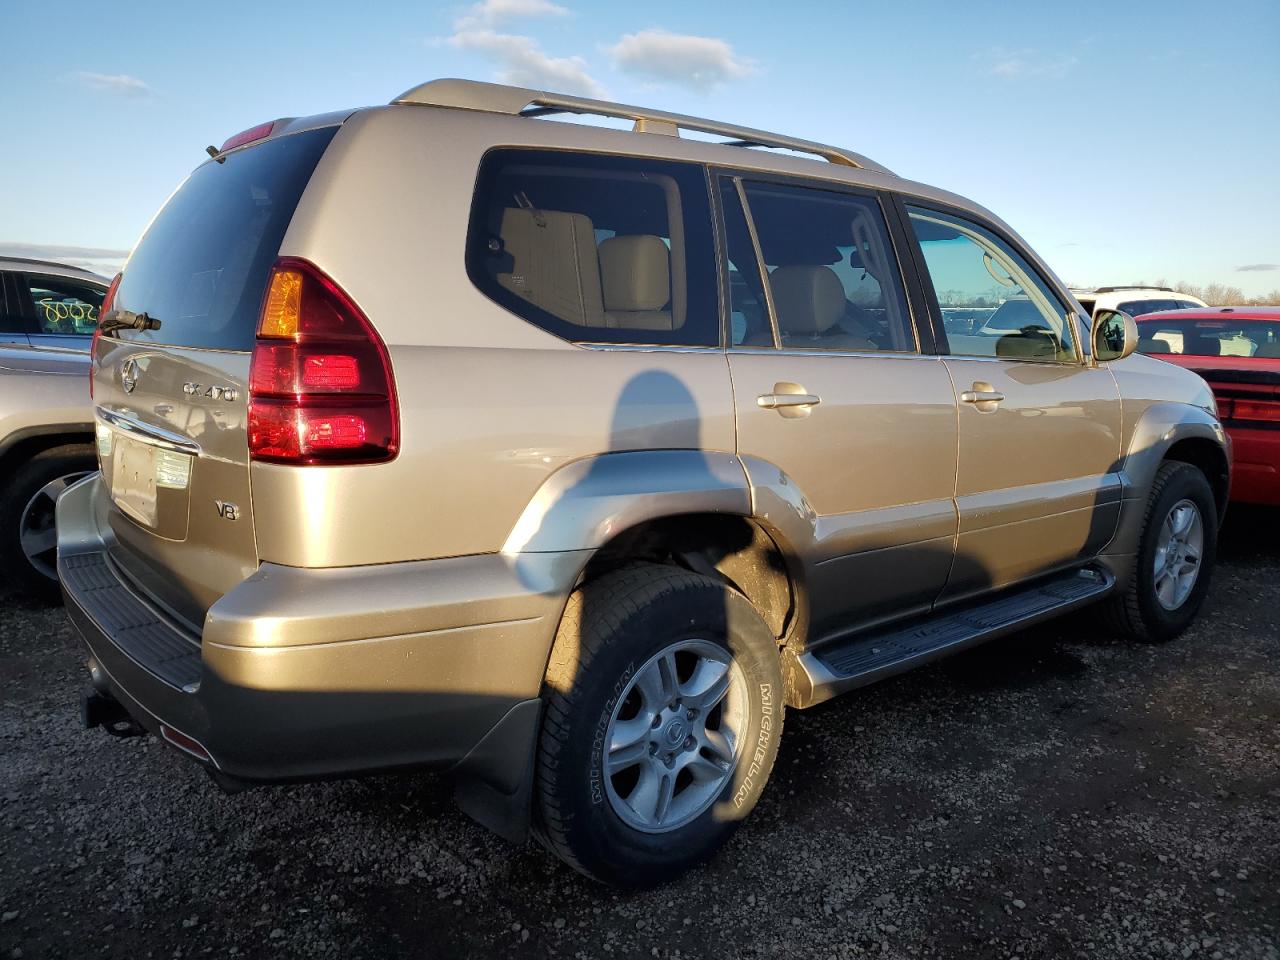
(1222, 294)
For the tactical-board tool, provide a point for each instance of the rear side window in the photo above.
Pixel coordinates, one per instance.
(202, 266)
(64, 305)
(597, 249)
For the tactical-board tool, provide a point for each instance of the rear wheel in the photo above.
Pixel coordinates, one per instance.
(664, 708)
(1175, 558)
(28, 538)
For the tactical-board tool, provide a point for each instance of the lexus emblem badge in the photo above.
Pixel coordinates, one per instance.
(129, 374)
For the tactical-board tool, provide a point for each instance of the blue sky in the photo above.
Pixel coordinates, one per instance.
(1125, 140)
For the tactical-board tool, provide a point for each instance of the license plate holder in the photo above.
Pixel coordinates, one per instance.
(133, 479)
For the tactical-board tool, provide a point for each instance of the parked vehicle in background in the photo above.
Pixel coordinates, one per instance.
(669, 437)
(1237, 350)
(48, 312)
(1135, 300)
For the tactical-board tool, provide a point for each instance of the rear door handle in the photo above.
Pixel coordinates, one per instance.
(772, 401)
(791, 400)
(984, 396)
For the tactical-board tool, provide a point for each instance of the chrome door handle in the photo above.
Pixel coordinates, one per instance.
(772, 401)
(982, 396)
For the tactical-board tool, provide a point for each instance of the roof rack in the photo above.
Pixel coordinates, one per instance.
(518, 101)
(1135, 286)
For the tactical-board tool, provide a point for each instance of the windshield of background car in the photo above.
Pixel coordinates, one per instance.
(1211, 338)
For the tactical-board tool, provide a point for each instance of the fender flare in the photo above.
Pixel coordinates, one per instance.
(1160, 427)
(586, 503)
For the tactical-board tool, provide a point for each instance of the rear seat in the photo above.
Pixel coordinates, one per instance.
(554, 263)
(810, 301)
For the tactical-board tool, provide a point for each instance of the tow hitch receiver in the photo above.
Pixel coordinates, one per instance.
(99, 710)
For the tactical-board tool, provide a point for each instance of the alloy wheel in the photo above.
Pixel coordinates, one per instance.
(676, 735)
(1179, 548)
(36, 531)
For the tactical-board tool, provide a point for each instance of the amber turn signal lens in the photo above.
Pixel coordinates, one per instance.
(283, 307)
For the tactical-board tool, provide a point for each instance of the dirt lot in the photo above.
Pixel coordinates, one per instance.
(1056, 794)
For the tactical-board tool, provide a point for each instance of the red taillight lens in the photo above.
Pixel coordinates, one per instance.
(320, 382)
(259, 132)
(1267, 411)
(108, 303)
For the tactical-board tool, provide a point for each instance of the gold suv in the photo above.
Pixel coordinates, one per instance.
(567, 458)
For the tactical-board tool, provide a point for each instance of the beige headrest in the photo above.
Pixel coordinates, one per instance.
(808, 299)
(635, 272)
(1153, 346)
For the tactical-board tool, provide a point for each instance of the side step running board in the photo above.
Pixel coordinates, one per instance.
(843, 665)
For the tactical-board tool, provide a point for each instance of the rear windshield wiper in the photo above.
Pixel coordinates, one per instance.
(127, 320)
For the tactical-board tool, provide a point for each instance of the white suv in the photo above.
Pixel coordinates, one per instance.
(1136, 301)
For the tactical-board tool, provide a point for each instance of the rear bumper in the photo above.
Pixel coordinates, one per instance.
(302, 674)
(1256, 467)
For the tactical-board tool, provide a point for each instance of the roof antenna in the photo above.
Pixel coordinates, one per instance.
(212, 151)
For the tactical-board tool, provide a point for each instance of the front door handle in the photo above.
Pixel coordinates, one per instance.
(790, 400)
(983, 396)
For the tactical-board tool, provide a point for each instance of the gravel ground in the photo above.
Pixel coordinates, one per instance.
(1055, 794)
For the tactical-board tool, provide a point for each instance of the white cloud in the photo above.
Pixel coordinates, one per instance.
(120, 83)
(1024, 63)
(491, 13)
(521, 60)
(701, 63)
(525, 64)
(1258, 267)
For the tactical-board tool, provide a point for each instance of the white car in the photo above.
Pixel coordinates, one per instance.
(1136, 301)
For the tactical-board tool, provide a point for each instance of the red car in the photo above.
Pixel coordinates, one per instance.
(1237, 350)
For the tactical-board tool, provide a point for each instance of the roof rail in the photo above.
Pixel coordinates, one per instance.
(1134, 286)
(518, 101)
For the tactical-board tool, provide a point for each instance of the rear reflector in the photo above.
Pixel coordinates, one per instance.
(320, 382)
(186, 744)
(260, 132)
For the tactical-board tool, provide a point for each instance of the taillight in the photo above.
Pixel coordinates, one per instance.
(108, 302)
(320, 383)
(1267, 411)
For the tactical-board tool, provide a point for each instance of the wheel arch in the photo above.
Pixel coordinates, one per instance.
(22, 445)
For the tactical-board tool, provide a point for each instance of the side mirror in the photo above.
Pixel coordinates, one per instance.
(1115, 335)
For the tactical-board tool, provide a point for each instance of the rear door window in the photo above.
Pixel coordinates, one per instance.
(597, 249)
(201, 268)
(833, 275)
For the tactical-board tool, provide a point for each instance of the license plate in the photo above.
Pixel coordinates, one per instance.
(139, 470)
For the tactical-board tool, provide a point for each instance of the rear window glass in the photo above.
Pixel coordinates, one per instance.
(1136, 308)
(597, 249)
(1211, 338)
(201, 268)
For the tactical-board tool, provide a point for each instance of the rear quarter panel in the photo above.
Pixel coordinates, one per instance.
(490, 405)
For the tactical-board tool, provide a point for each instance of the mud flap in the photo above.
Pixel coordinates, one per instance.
(494, 782)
